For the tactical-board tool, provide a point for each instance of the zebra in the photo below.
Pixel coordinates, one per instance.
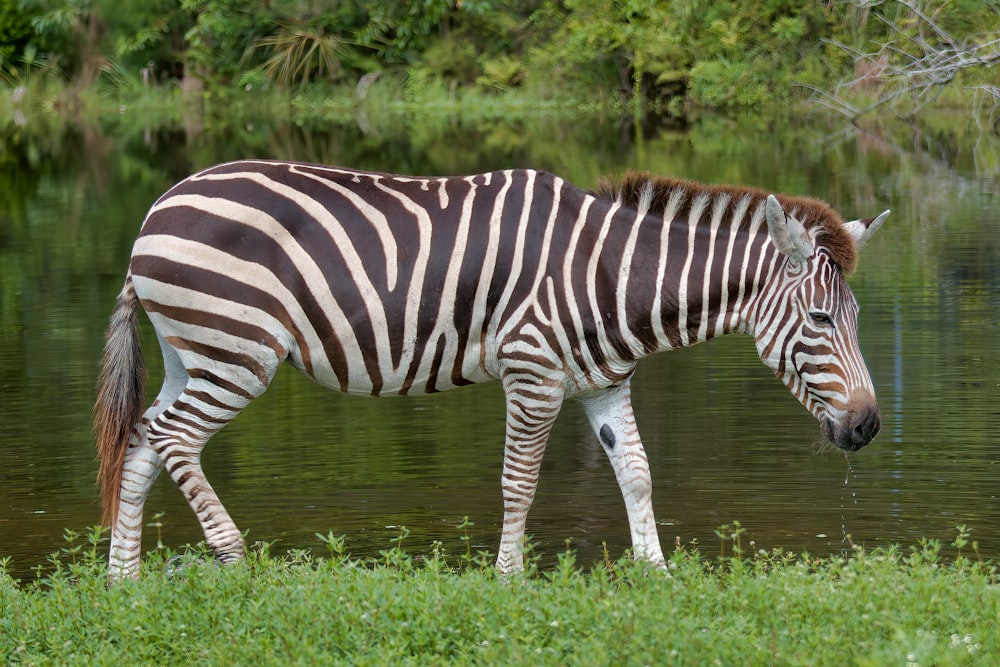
(379, 284)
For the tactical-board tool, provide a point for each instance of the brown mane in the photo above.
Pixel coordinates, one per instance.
(628, 188)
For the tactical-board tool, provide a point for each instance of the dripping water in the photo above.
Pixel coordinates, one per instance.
(847, 542)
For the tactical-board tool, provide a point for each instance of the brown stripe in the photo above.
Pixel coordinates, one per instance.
(209, 399)
(226, 385)
(238, 328)
(228, 357)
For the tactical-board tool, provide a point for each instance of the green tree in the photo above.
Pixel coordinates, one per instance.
(15, 31)
(221, 32)
(401, 31)
(72, 31)
(147, 32)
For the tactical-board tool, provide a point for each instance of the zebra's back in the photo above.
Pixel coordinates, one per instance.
(370, 283)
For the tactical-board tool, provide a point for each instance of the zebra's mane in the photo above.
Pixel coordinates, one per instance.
(640, 190)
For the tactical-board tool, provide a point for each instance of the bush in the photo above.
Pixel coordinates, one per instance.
(15, 32)
(722, 84)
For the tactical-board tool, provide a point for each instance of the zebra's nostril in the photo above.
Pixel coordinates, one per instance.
(865, 428)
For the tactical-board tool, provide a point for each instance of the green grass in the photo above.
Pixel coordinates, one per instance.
(881, 607)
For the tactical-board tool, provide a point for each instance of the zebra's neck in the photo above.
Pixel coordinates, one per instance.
(681, 277)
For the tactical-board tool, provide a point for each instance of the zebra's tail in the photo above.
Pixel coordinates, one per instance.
(118, 407)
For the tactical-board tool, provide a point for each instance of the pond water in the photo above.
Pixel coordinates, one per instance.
(726, 441)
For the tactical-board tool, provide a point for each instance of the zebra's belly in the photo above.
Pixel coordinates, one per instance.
(440, 369)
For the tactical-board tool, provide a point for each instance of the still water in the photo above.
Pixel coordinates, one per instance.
(726, 441)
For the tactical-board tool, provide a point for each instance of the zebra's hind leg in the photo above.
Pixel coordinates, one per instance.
(141, 468)
(178, 436)
(610, 415)
(142, 465)
(532, 408)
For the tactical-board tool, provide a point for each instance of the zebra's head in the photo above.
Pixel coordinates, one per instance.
(806, 324)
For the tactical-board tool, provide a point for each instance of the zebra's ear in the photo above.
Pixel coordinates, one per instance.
(788, 234)
(862, 230)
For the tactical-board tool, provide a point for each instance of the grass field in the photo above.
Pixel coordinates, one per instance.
(881, 607)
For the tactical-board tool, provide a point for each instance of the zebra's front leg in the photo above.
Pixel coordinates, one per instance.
(532, 408)
(610, 414)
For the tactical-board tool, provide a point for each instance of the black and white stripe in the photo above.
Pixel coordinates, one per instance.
(380, 284)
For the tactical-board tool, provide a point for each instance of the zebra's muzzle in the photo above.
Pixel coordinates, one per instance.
(857, 429)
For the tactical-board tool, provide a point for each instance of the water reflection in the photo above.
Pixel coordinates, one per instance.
(726, 441)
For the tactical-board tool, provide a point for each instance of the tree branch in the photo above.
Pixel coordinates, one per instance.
(917, 65)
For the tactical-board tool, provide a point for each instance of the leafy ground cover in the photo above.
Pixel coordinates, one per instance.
(881, 607)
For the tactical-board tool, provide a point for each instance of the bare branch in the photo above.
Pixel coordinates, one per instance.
(832, 101)
(915, 66)
(913, 6)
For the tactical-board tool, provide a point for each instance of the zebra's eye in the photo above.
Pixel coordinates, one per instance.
(822, 319)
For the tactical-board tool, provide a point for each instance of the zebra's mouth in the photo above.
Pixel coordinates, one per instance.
(828, 433)
(856, 432)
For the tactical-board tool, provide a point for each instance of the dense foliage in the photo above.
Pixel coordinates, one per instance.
(677, 54)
